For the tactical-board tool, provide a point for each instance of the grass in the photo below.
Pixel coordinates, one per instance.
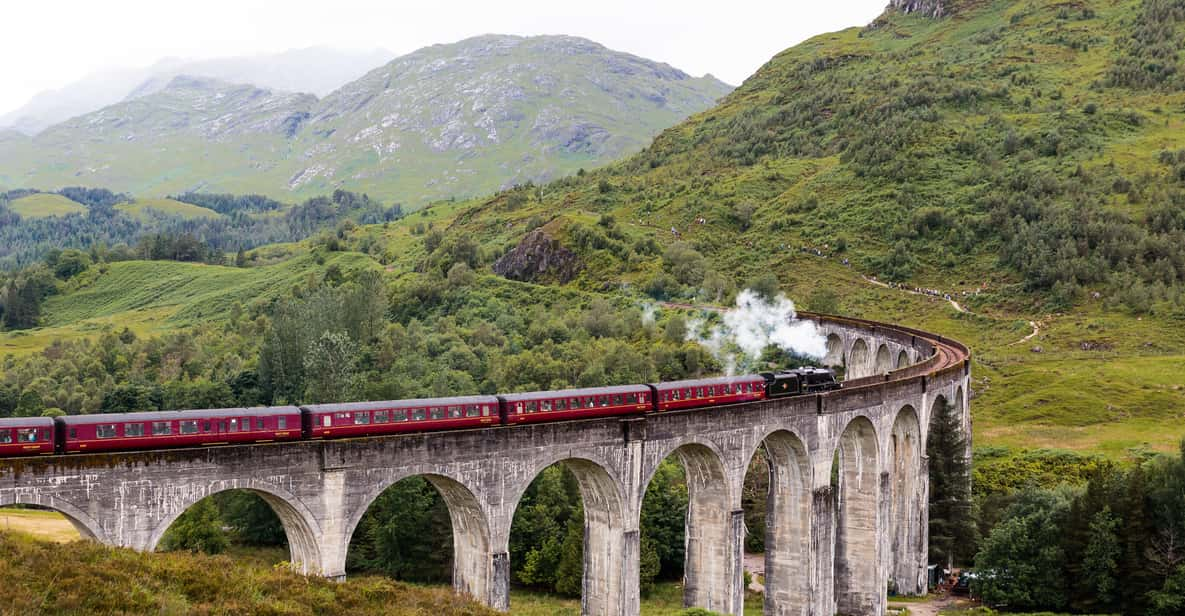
(665, 600)
(45, 525)
(141, 208)
(44, 205)
(155, 297)
(86, 578)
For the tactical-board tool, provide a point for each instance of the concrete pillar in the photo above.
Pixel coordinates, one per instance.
(822, 562)
(788, 532)
(736, 576)
(708, 569)
(500, 581)
(859, 577)
(335, 534)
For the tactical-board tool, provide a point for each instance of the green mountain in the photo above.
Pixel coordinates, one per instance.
(445, 121)
(1025, 157)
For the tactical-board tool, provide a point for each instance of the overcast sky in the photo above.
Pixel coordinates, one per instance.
(49, 43)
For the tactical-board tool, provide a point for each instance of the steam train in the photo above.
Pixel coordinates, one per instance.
(28, 436)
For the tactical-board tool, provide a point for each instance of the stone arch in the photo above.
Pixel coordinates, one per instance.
(859, 587)
(788, 537)
(82, 522)
(300, 527)
(902, 359)
(857, 366)
(834, 355)
(603, 587)
(884, 360)
(472, 561)
(906, 493)
(931, 417)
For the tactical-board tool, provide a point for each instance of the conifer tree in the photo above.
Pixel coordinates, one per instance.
(952, 526)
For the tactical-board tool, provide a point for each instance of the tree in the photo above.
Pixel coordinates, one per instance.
(406, 534)
(1021, 560)
(685, 263)
(198, 529)
(952, 525)
(250, 518)
(70, 263)
(1101, 562)
(329, 366)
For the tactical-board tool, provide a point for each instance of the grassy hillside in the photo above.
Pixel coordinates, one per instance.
(86, 578)
(155, 297)
(140, 208)
(999, 154)
(42, 205)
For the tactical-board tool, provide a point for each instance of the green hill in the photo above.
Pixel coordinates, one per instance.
(140, 207)
(1001, 151)
(1006, 153)
(42, 205)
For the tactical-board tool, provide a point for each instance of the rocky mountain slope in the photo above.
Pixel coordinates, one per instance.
(316, 70)
(448, 120)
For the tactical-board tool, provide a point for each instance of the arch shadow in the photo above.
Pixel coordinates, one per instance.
(884, 360)
(857, 366)
(300, 527)
(472, 559)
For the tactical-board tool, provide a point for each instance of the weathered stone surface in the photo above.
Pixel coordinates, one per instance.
(537, 257)
(831, 549)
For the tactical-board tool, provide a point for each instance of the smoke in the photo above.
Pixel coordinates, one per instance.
(755, 324)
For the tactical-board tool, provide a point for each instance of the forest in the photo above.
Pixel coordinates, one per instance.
(246, 221)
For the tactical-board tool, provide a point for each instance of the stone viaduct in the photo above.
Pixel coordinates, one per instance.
(832, 546)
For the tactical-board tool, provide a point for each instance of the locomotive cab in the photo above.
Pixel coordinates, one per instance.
(799, 381)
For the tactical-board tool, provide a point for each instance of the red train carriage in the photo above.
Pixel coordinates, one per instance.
(577, 403)
(26, 436)
(709, 392)
(394, 416)
(127, 431)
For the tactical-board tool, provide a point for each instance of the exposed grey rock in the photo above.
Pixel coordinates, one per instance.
(536, 257)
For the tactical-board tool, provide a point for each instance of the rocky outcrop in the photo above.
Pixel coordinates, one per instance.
(929, 8)
(537, 257)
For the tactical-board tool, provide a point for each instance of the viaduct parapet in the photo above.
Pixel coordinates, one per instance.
(832, 547)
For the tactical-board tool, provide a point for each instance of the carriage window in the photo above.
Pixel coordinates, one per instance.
(485, 410)
(361, 418)
(436, 412)
(472, 410)
(545, 405)
(133, 429)
(205, 426)
(399, 415)
(631, 398)
(30, 435)
(561, 404)
(604, 400)
(234, 425)
(259, 424)
(532, 406)
(381, 416)
(454, 412)
(189, 427)
(326, 420)
(161, 428)
(6, 436)
(281, 423)
(418, 414)
(617, 400)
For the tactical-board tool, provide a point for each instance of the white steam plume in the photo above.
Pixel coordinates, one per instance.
(755, 324)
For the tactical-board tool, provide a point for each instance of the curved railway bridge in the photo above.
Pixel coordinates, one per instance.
(832, 547)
